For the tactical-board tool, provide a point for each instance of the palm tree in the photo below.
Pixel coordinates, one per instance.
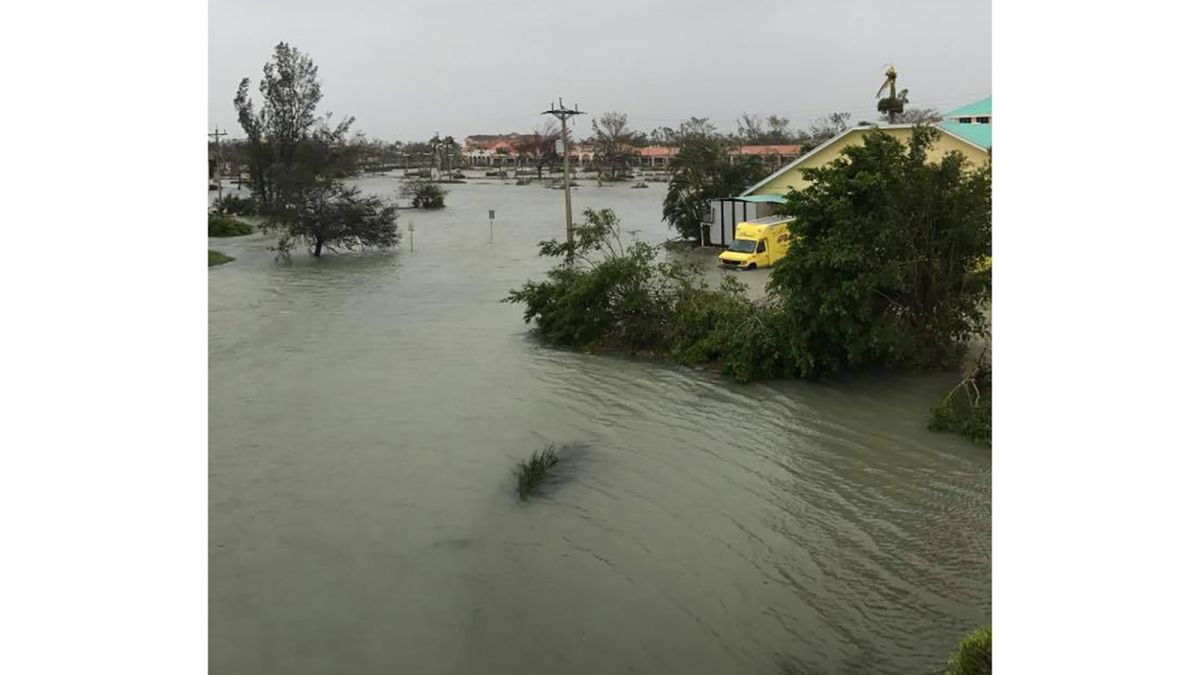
(893, 105)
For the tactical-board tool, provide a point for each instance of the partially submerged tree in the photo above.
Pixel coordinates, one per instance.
(703, 171)
(612, 139)
(296, 158)
(330, 216)
(538, 146)
(890, 265)
(423, 194)
(290, 147)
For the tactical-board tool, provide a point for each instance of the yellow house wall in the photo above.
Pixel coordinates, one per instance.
(791, 178)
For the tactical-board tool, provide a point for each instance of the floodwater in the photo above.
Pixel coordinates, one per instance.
(366, 414)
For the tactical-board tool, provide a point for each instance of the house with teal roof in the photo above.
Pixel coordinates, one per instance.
(972, 122)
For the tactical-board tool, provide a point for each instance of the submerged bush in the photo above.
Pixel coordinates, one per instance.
(423, 194)
(967, 409)
(614, 296)
(217, 258)
(236, 205)
(531, 472)
(221, 225)
(974, 655)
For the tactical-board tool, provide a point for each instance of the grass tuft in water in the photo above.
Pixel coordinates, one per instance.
(217, 258)
(531, 472)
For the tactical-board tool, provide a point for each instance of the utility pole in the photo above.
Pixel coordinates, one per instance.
(216, 136)
(562, 113)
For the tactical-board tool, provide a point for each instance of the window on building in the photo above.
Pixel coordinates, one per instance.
(964, 120)
(983, 120)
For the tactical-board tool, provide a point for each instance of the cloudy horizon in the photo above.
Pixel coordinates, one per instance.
(411, 69)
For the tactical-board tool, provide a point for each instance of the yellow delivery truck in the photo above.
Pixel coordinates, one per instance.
(758, 243)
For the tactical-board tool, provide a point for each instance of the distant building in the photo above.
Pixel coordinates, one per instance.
(657, 156)
(772, 155)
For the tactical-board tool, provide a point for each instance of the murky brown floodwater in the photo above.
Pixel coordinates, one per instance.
(366, 413)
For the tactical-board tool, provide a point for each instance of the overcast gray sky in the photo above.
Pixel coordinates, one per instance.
(408, 68)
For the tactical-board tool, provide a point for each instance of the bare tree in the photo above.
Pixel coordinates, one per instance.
(614, 146)
(750, 128)
(539, 146)
(829, 126)
(917, 116)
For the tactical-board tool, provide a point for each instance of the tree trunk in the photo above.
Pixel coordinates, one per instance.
(317, 248)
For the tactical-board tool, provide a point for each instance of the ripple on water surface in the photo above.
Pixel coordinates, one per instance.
(366, 414)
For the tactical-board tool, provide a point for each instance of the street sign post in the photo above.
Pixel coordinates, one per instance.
(491, 217)
(411, 229)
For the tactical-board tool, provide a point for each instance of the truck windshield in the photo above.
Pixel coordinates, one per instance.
(742, 246)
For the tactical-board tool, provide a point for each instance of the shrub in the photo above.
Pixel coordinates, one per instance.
(967, 409)
(609, 295)
(221, 225)
(217, 258)
(531, 472)
(423, 194)
(236, 205)
(335, 217)
(974, 655)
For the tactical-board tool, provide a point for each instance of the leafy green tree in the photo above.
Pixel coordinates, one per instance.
(290, 148)
(889, 263)
(703, 171)
(333, 216)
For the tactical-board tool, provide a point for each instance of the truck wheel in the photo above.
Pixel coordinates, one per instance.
(752, 266)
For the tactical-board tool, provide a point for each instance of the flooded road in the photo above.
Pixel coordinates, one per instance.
(366, 413)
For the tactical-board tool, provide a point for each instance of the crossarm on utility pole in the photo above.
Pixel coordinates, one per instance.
(562, 113)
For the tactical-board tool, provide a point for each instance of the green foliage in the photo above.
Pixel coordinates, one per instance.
(974, 655)
(887, 271)
(333, 216)
(221, 225)
(609, 301)
(614, 296)
(957, 415)
(701, 172)
(236, 205)
(217, 258)
(429, 196)
(887, 265)
(967, 409)
(531, 472)
(291, 148)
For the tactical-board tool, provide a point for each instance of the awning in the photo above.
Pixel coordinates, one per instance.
(776, 199)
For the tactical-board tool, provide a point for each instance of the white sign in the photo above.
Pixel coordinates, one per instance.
(558, 146)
